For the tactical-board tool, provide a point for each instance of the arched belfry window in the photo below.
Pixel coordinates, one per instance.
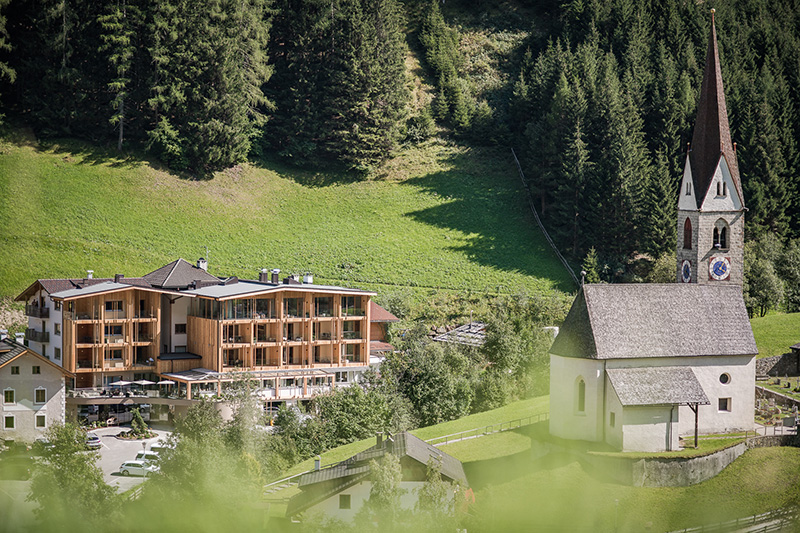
(687, 234)
(581, 396)
(721, 232)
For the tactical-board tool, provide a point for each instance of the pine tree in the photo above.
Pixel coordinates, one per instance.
(119, 24)
(6, 72)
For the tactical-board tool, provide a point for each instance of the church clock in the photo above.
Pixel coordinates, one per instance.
(686, 271)
(719, 268)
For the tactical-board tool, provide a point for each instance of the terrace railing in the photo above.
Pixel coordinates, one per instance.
(488, 430)
(353, 311)
(350, 335)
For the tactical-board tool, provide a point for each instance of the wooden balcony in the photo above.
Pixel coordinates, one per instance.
(36, 311)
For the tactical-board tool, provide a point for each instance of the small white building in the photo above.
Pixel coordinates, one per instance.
(638, 365)
(33, 391)
(340, 491)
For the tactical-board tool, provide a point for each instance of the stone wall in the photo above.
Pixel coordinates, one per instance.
(675, 471)
(778, 365)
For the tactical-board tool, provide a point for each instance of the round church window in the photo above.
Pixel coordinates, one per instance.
(725, 379)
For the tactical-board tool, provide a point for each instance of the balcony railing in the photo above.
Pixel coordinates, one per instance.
(115, 314)
(114, 363)
(87, 339)
(233, 339)
(143, 338)
(82, 315)
(36, 311)
(37, 336)
(86, 363)
(349, 335)
(353, 311)
(145, 314)
(114, 339)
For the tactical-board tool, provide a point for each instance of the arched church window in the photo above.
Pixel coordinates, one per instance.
(687, 234)
(721, 234)
(581, 396)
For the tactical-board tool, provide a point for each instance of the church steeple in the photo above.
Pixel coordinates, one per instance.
(711, 204)
(712, 134)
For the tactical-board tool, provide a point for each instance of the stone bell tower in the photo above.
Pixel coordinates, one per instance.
(710, 203)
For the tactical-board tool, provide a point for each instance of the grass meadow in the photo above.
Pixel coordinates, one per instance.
(440, 217)
(775, 333)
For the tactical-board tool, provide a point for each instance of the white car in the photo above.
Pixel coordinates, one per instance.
(136, 468)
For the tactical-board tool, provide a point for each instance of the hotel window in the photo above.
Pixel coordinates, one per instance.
(57, 353)
(57, 328)
(8, 396)
(180, 329)
(15, 371)
(36, 369)
(41, 421)
(57, 306)
(40, 396)
(8, 422)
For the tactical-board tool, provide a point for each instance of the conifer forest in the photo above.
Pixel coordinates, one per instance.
(598, 101)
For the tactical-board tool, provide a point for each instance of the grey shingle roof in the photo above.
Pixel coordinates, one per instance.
(612, 321)
(471, 334)
(178, 274)
(9, 350)
(656, 386)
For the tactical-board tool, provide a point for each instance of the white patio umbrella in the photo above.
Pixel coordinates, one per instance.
(121, 383)
(166, 382)
(144, 382)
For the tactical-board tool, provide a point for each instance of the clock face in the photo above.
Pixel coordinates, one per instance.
(719, 268)
(686, 271)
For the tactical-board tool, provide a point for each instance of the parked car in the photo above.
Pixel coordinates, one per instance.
(136, 468)
(147, 457)
(93, 441)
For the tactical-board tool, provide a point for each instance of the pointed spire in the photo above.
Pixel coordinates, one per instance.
(712, 135)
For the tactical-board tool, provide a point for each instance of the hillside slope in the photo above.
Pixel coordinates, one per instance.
(449, 217)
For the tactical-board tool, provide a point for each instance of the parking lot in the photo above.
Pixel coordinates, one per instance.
(114, 452)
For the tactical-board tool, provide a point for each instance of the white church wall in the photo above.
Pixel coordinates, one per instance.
(648, 429)
(614, 435)
(708, 370)
(566, 420)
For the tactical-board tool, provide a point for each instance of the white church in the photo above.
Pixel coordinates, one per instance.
(639, 365)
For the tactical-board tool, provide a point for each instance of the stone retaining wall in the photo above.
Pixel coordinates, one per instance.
(780, 399)
(778, 365)
(676, 471)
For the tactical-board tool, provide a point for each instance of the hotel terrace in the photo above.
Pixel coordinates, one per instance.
(188, 333)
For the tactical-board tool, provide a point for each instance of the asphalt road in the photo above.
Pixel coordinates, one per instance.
(114, 452)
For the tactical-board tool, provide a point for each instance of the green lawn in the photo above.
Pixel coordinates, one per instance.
(774, 333)
(442, 217)
(507, 413)
(556, 494)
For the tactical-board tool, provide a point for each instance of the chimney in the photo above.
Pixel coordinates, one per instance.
(20, 338)
(379, 438)
(317, 463)
(308, 278)
(118, 278)
(263, 276)
(275, 273)
(89, 274)
(202, 263)
(3, 334)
